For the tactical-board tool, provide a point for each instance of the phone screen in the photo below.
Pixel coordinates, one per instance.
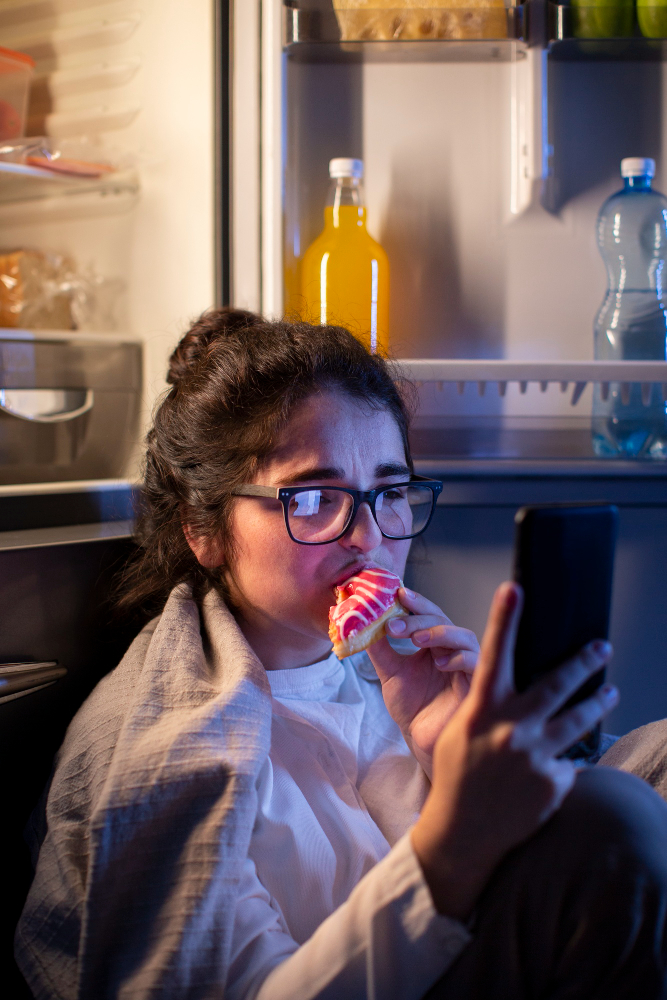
(564, 561)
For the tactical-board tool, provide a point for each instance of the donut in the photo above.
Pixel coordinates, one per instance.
(364, 604)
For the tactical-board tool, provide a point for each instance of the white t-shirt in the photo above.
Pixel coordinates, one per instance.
(332, 902)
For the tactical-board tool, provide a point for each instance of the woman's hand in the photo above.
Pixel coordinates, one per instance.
(422, 691)
(496, 776)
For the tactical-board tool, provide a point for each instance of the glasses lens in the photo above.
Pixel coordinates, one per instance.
(403, 510)
(318, 515)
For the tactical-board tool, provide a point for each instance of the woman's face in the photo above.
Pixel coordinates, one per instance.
(283, 590)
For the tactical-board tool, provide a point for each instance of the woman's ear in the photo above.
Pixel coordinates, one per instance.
(210, 552)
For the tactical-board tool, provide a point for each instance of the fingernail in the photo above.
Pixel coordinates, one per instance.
(510, 596)
(423, 636)
(609, 692)
(410, 594)
(443, 659)
(600, 648)
(396, 625)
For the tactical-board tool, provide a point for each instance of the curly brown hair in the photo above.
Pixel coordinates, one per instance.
(235, 380)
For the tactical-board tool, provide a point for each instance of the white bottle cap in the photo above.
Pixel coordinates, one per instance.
(344, 167)
(637, 166)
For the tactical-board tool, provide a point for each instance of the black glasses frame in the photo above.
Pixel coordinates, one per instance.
(285, 494)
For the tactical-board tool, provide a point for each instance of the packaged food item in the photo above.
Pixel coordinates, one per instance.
(42, 291)
(31, 295)
(345, 272)
(392, 20)
(16, 70)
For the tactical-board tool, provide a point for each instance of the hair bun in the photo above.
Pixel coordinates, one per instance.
(194, 347)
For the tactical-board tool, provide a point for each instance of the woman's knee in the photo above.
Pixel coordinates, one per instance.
(613, 811)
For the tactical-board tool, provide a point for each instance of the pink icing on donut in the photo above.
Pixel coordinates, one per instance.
(362, 600)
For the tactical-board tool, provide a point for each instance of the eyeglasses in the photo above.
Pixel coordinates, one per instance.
(317, 515)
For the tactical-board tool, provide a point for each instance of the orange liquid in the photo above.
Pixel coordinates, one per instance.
(345, 278)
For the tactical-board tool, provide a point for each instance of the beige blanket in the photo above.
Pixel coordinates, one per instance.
(149, 817)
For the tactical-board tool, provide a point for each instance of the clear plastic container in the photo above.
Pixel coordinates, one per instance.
(16, 70)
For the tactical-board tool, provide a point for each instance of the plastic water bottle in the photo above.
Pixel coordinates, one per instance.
(632, 324)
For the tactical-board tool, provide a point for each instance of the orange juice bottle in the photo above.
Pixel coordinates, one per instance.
(345, 273)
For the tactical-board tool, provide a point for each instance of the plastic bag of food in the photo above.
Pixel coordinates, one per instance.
(30, 292)
(390, 20)
(42, 291)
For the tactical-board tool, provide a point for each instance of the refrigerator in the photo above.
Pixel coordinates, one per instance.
(487, 155)
(486, 162)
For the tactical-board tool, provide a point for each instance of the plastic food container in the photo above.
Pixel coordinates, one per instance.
(15, 75)
(394, 20)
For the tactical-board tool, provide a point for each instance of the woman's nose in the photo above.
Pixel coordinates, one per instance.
(363, 534)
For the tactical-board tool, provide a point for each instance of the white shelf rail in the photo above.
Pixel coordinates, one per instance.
(575, 373)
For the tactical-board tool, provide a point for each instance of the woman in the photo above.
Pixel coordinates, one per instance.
(236, 813)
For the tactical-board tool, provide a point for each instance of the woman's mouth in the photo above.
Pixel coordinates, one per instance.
(351, 570)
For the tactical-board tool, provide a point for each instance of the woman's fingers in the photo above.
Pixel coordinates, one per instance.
(428, 631)
(449, 660)
(417, 604)
(494, 677)
(564, 731)
(551, 692)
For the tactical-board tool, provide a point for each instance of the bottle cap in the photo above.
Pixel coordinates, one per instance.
(637, 166)
(342, 166)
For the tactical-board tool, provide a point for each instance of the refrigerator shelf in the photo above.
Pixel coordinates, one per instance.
(521, 410)
(21, 183)
(312, 33)
(566, 25)
(576, 374)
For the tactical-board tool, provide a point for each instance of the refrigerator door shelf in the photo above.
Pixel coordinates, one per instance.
(94, 442)
(46, 406)
(575, 31)
(575, 373)
(519, 410)
(69, 405)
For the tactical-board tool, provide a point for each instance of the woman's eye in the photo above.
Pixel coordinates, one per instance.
(393, 495)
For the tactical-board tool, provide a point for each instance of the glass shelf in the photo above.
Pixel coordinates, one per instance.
(312, 33)
(21, 183)
(570, 31)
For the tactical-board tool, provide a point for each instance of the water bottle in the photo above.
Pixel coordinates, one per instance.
(632, 324)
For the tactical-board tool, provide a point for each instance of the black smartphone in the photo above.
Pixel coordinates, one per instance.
(564, 561)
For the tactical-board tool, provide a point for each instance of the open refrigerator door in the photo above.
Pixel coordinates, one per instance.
(107, 207)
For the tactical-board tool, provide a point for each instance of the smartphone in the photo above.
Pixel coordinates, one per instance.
(564, 561)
